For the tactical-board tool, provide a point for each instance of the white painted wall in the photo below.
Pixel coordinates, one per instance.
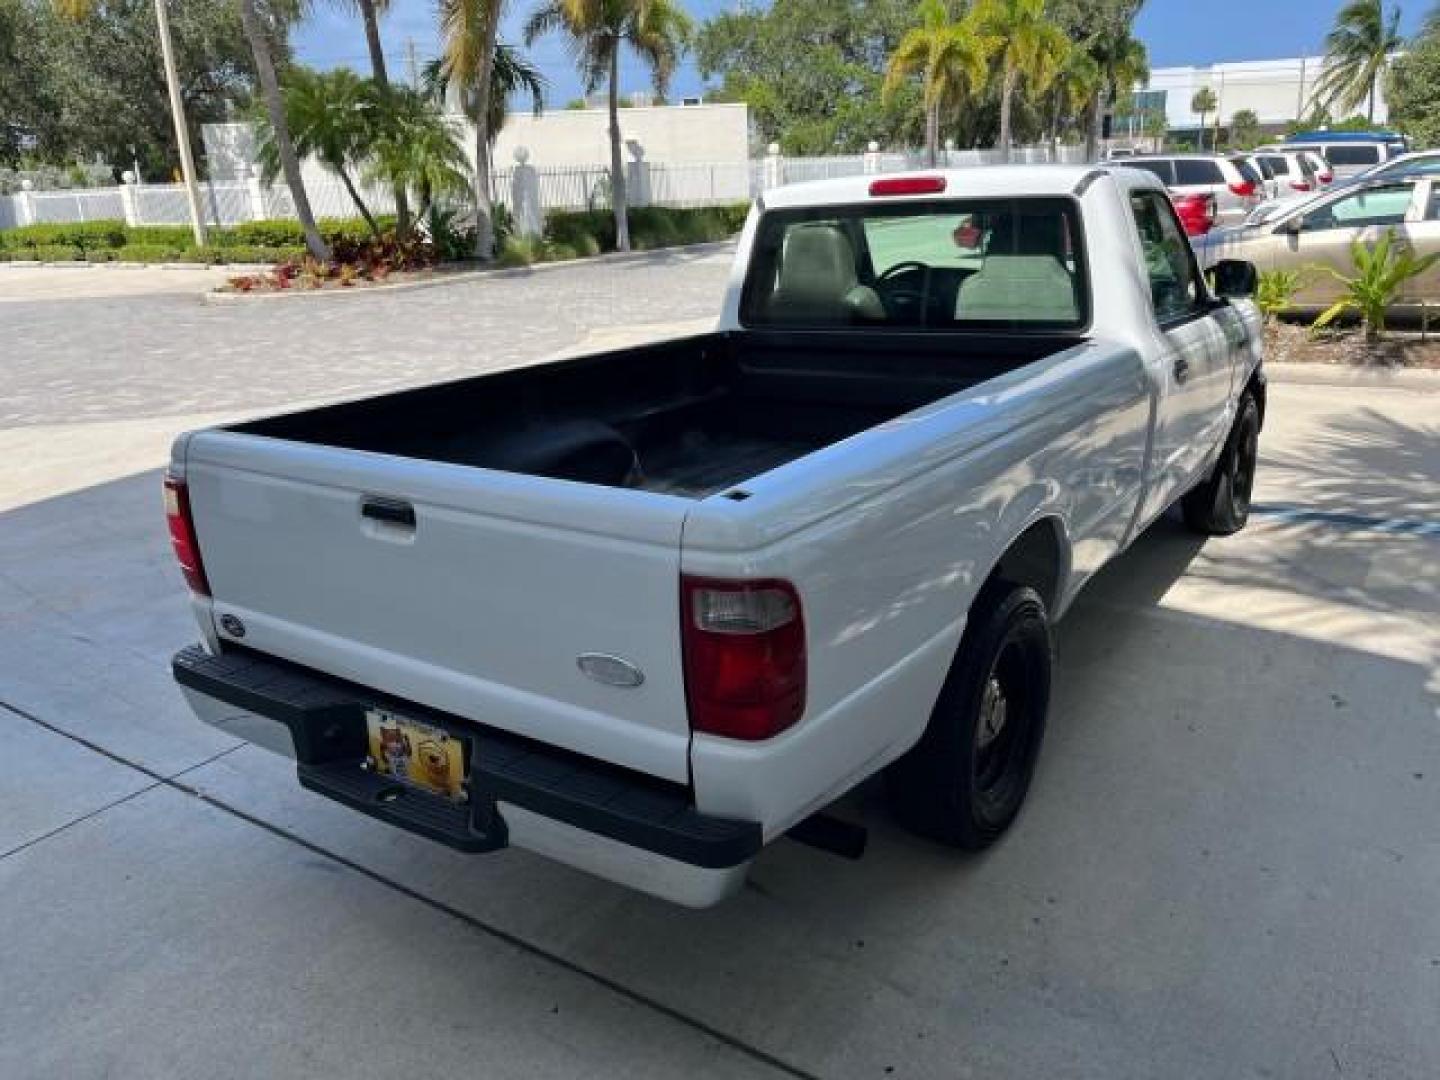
(667, 135)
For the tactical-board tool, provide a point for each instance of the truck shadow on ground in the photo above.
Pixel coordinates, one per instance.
(1215, 796)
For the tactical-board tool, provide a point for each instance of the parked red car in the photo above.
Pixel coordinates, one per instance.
(1197, 212)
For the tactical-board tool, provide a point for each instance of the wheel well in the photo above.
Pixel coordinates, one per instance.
(1256, 389)
(1036, 559)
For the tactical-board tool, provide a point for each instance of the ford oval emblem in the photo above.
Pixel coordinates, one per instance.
(232, 625)
(610, 670)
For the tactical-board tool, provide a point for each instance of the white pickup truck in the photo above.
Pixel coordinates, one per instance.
(646, 611)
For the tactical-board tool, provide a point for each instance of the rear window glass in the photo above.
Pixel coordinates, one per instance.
(1247, 172)
(955, 264)
(1277, 164)
(1197, 171)
(1161, 169)
(1359, 154)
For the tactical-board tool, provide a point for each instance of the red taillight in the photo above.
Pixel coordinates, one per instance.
(182, 535)
(1244, 189)
(908, 185)
(744, 645)
(1325, 177)
(1300, 185)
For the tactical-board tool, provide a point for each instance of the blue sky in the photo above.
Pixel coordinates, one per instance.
(1175, 31)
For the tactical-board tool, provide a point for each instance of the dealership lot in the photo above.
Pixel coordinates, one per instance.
(1227, 867)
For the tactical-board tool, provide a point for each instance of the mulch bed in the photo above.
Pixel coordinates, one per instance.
(1294, 343)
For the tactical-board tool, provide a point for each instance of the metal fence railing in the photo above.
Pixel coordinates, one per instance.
(565, 187)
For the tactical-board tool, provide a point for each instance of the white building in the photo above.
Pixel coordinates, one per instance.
(1277, 91)
(669, 135)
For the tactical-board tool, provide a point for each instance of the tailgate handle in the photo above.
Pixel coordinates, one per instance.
(393, 511)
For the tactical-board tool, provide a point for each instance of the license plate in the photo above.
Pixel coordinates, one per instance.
(417, 754)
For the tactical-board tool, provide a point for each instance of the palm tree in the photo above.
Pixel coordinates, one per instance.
(1203, 102)
(1356, 51)
(1123, 63)
(658, 31)
(512, 74)
(1032, 48)
(370, 12)
(250, 20)
(469, 32)
(334, 116)
(1071, 94)
(417, 149)
(950, 57)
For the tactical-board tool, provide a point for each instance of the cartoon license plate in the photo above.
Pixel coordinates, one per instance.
(417, 754)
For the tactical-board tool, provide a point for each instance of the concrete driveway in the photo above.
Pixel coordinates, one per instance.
(1229, 865)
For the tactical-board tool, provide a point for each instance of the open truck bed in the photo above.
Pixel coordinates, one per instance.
(689, 417)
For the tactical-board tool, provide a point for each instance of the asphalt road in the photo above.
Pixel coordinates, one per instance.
(1229, 865)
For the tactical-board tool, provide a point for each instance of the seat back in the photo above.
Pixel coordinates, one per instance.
(817, 280)
(1023, 276)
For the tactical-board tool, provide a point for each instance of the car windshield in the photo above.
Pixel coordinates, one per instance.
(955, 264)
(1353, 154)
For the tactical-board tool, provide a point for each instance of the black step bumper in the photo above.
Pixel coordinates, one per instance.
(325, 718)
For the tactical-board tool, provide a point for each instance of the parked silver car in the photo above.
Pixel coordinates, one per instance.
(1233, 182)
(1311, 235)
(1349, 156)
(1418, 163)
(1293, 171)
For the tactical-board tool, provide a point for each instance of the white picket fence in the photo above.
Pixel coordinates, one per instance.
(577, 187)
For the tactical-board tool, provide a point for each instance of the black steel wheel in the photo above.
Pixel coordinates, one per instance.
(965, 780)
(1220, 505)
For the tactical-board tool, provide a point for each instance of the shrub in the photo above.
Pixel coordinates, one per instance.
(237, 253)
(1381, 269)
(517, 251)
(56, 253)
(172, 236)
(1275, 290)
(84, 235)
(557, 252)
(589, 232)
(150, 252)
(272, 234)
(581, 229)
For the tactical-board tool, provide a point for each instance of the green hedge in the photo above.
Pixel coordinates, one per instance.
(94, 236)
(568, 235)
(152, 253)
(78, 234)
(577, 233)
(588, 232)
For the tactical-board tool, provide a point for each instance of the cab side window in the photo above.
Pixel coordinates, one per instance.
(1174, 281)
(1374, 206)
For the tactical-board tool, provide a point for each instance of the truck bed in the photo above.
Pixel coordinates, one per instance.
(690, 417)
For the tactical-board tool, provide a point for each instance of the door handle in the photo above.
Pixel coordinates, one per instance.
(1182, 368)
(390, 511)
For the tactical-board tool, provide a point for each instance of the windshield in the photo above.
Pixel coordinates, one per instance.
(951, 264)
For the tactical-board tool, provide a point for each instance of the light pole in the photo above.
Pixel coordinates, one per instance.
(182, 133)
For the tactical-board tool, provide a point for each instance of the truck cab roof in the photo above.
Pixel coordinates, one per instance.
(988, 181)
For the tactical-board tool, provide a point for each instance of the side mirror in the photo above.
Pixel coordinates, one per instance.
(1235, 278)
(1292, 226)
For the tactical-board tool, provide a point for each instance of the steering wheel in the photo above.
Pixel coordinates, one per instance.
(904, 296)
(899, 268)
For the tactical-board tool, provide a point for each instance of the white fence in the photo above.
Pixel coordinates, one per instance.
(560, 188)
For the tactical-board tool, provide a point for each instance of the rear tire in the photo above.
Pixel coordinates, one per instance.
(1220, 505)
(963, 783)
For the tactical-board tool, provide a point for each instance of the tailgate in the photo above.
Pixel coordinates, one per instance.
(481, 609)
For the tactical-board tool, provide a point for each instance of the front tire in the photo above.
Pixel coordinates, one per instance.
(963, 783)
(1220, 505)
